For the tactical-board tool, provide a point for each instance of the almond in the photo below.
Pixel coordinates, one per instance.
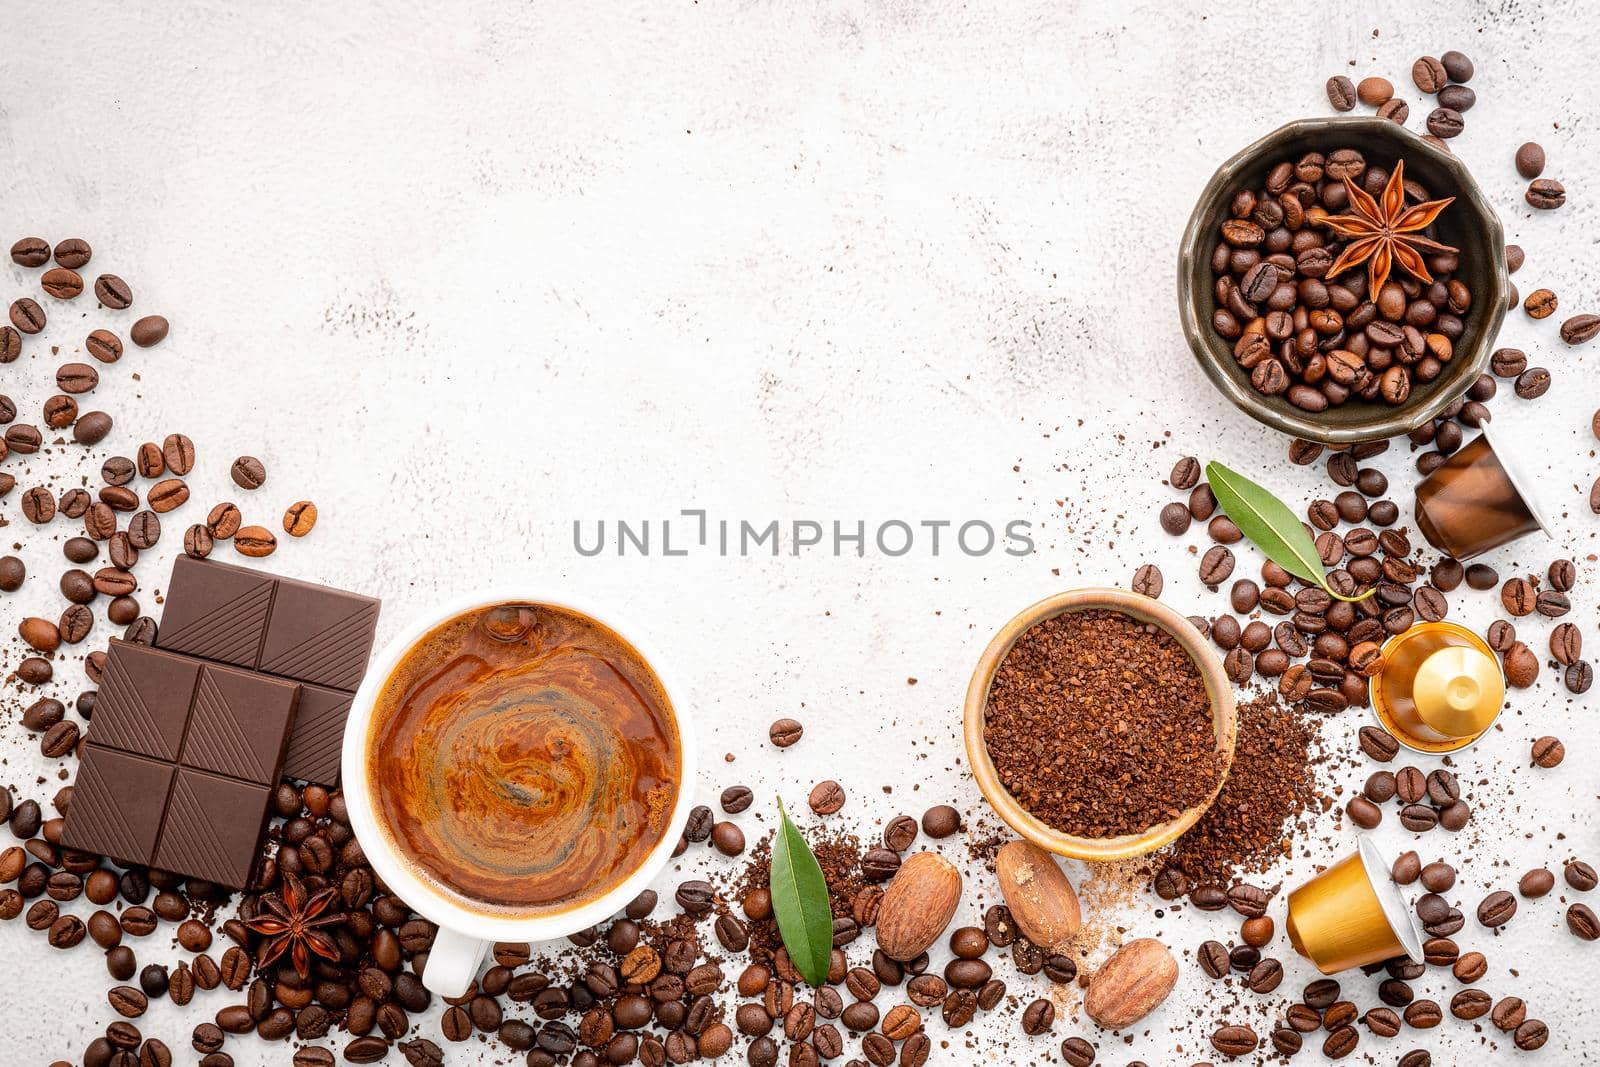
(1037, 892)
(1131, 984)
(919, 903)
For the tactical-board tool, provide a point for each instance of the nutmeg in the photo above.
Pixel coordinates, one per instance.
(1131, 984)
(918, 905)
(1037, 892)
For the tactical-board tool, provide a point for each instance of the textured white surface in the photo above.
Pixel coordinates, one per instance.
(465, 273)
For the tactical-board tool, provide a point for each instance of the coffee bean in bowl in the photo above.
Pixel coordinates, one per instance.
(1342, 281)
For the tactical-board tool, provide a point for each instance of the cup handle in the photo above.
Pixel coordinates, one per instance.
(453, 962)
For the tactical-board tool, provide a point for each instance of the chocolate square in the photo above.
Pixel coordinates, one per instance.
(240, 723)
(213, 828)
(296, 630)
(317, 742)
(117, 803)
(144, 700)
(216, 611)
(320, 635)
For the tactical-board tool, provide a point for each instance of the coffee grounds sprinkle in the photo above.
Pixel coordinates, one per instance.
(1268, 792)
(1100, 725)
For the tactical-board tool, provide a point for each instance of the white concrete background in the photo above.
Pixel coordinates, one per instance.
(463, 273)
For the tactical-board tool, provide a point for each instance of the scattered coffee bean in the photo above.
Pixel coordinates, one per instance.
(149, 331)
(1546, 194)
(1548, 752)
(785, 732)
(1497, 908)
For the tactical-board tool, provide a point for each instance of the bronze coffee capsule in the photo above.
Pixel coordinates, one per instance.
(1475, 501)
(1352, 914)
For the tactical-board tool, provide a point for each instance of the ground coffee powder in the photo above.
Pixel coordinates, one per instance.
(1270, 787)
(1100, 726)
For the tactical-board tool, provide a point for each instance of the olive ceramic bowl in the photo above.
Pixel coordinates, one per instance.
(1143, 609)
(1470, 224)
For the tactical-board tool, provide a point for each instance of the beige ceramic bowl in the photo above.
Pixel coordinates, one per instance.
(1145, 610)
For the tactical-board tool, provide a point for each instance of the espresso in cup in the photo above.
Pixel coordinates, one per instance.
(524, 759)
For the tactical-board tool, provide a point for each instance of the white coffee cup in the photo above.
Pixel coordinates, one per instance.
(465, 935)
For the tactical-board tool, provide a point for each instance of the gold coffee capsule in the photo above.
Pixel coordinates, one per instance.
(1352, 914)
(1475, 501)
(1440, 688)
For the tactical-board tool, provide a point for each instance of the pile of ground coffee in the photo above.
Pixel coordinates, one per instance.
(1100, 726)
(1270, 787)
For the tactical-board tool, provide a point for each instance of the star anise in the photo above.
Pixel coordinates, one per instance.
(291, 925)
(1385, 232)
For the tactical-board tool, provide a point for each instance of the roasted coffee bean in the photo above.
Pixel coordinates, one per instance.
(1583, 924)
(941, 821)
(1321, 993)
(27, 316)
(1374, 91)
(1341, 1042)
(1531, 1035)
(695, 897)
(30, 252)
(1216, 565)
(1580, 875)
(197, 542)
(1536, 883)
(1521, 666)
(1341, 93)
(1363, 812)
(1248, 900)
(1445, 122)
(1438, 877)
(1147, 581)
(128, 1002)
(113, 292)
(1175, 519)
(1266, 976)
(1234, 1040)
(248, 472)
(1340, 1013)
(1378, 744)
(1422, 1014)
(23, 438)
(1533, 383)
(1383, 1022)
(827, 798)
(1442, 787)
(1038, 1017)
(91, 428)
(255, 541)
(1440, 952)
(1497, 908)
(149, 331)
(785, 732)
(1429, 74)
(1530, 160)
(104, 346)
(59, 412)
(167, 494)
(76, 378)
(1566, 644)
(38, 505)
(1580, 329)
(1545, 194)
(1185, 474)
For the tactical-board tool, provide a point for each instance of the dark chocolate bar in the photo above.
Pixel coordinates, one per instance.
(308, 633)
(180, 762)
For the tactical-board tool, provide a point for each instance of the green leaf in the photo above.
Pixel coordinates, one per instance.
(800, 902)
(1270, 526)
